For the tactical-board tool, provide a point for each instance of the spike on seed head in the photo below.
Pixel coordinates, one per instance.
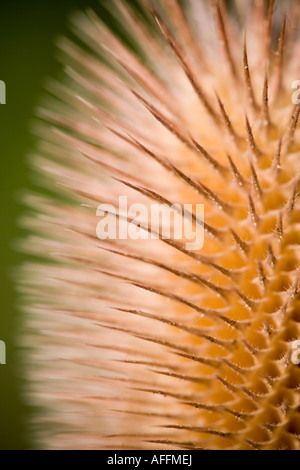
(148, 327)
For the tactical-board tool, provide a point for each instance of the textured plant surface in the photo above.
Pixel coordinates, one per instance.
(144, 344)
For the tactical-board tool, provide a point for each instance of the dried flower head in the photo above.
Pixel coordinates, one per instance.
(144, 344)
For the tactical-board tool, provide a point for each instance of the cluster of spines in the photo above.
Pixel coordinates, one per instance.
(238, 350)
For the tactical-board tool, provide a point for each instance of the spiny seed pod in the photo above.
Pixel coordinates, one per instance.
(146, 344)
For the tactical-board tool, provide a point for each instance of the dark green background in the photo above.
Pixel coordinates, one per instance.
(27, 56)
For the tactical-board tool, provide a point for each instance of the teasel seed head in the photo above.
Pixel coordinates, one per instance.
(146, 344)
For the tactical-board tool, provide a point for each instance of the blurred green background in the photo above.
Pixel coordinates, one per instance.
(27, 57)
